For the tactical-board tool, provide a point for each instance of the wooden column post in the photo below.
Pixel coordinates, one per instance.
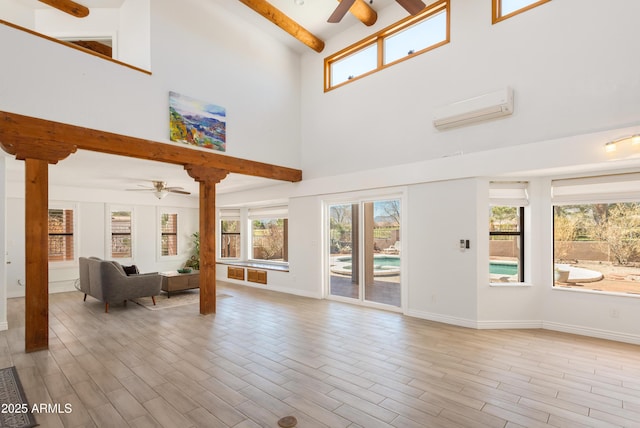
(208, 178)
(37, 155)
(36, 334)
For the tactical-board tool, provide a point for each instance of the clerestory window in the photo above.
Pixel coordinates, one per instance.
(504, 9)
(405, 39)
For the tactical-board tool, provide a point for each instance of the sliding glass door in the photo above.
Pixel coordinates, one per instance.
(343, 251)
(364, 251)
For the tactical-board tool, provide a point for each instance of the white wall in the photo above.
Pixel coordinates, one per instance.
(5, 261)
(92, 217)
(134, 33)
(576, 76)
(15, 12)
(442, 277)
(128, 26)
(448, 201)
(197, 51)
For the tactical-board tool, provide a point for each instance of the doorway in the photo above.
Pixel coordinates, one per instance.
(364, 251)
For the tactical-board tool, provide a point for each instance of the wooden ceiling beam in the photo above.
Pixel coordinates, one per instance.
(68, 6)
(276, 16)
(364, 12)
(19, 133)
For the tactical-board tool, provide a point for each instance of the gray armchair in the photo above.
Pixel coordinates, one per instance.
(107, 281)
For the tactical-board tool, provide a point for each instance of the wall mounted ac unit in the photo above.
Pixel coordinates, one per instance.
(478, 109)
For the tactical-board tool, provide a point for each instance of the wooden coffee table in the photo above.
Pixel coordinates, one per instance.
(174, 281)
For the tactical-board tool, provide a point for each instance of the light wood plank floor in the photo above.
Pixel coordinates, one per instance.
(266, 355)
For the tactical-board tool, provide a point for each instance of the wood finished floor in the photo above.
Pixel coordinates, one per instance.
(266, 355)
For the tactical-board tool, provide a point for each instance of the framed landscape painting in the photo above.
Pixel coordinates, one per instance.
(197, 123)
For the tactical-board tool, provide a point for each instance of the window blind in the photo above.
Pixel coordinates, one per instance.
(268, 212)
(597, 189)
(508, 193)
(229, 214)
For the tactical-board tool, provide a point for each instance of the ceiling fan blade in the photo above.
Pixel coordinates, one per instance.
(68, 6)
(412, 6)
(139, 190)
(182, 192)
(173, 188)
(341, 11)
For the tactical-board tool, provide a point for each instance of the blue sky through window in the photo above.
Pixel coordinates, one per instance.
(509, 6)
(354, 65)
(415, 38)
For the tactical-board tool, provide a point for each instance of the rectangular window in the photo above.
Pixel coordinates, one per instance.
(169, 234)
(506, 249)
(416, 37)
(407, 38)
(596, 233)
(269, 234)
(506, 231)
(121, 234)
(61, 238)
(354, 65)
(503, 9)
(230, 239)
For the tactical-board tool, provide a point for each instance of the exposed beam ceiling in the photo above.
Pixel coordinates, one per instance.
(274, 15)
(68, 6)
(359, 9)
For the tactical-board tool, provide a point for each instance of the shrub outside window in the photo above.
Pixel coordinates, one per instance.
(269, 234)
(405, 39)
(269, 239)
(504, 9)
(230, 239)
(596, 233)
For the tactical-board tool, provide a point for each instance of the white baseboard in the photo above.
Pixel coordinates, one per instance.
(272, 287)
(526, 324)
(593, 332)
(4, 326)
(509, 324)
(446, 319)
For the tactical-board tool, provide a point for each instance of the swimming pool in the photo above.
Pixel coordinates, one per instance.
(503, 268)
(383, 265)
(390, 265)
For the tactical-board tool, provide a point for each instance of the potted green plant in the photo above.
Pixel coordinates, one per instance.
(194, 261)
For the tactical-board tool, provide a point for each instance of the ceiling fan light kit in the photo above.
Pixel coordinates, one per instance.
(160, 189)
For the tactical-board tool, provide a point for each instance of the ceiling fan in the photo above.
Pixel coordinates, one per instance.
(412, 6)
(160, 189)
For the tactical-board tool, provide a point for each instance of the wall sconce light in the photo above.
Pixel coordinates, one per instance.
(612, 146)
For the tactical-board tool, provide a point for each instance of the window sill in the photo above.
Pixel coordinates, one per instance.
(281, 267)
(510, 284)
(596, 292)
